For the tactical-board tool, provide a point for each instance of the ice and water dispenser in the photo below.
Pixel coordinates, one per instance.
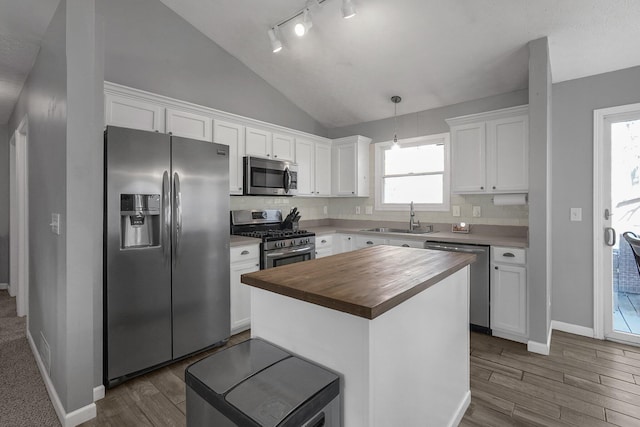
(139, 220)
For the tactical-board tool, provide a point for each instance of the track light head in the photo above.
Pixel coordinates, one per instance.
(348, 10)
(276, 44)
(302, 28)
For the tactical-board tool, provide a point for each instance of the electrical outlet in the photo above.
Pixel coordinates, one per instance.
(368, 210)
(455, 210)
(358, 212)
(477, 211)
(576, 214)
(325, 210)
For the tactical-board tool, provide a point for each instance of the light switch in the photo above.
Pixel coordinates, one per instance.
(368, 210)
(325, 210)
(477, 211)
(358, 210)
(576, 214)
(55, 223)
(455, 210)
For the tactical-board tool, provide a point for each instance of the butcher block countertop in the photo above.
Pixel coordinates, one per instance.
(366, 283)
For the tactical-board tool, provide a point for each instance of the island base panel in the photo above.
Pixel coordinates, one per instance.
(409, 366)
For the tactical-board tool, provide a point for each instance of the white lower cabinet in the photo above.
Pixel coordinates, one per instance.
(324, 245)
(509, 293)
(342, 243)
(366, 241)
(407, 243)
(244, 259)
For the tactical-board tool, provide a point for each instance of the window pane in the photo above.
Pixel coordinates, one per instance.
(405, 160)
(419, 189)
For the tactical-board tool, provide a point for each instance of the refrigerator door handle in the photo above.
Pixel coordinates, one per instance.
(177, 205)
(166, 212)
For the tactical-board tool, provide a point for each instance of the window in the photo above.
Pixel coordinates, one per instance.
(416, 171)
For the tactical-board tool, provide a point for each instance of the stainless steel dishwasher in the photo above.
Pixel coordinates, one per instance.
(479, 295)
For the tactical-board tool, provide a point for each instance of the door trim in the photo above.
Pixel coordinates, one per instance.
(22, 217)
(599, 281)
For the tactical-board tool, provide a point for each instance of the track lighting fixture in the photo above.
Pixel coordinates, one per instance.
(302, 28)
(348, 10)
(276, 44)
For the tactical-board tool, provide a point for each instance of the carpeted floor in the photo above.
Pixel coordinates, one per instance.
(24, 401)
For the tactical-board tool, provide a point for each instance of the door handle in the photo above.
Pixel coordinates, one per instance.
(177, 205)
(166, 212)
(609, 236)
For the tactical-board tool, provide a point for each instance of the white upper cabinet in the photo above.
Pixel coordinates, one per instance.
(305, 159)
(133, 113)
(314, 167)
(509, 147)
(468, 148)
(350, 166)
(282, 147)
(322, 169)
(257, 142)
(490, 152)
(231, 134)
(188, 124)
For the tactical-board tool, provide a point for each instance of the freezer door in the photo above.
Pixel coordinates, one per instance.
(200, 273)
(137, 278)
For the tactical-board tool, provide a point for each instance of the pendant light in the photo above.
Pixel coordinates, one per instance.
(396, 100)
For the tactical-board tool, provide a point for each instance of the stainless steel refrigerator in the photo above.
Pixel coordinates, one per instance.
(166, 276)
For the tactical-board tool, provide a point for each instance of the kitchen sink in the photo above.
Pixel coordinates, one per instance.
(427, 230)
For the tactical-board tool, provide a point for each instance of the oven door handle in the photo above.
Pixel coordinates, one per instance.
(275, 254)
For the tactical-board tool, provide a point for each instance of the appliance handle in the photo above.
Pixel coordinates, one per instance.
(177, 206)
(276, 254)
(166, 213)
(287, 180)
(454, 249)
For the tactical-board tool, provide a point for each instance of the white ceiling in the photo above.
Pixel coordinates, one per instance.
(430, 52)
(22, 25)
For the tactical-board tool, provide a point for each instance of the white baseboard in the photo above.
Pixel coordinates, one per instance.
(98, 393)
(508, 336)
(572, 329)
(4, 286)
(462, 409)
(70, 419)
(540, 347)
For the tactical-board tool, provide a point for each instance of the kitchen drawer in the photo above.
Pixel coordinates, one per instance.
(245, 253)
(506, 255)
(324, 241)
(366, 241)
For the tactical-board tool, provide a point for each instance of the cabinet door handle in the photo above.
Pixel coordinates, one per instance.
(369, 242)
(405, 246)
(494, 187)
(323, 241)
(244, 253)
(508, 255)
(353, 192)
(275, 155)
(496, 267)
(482, 188)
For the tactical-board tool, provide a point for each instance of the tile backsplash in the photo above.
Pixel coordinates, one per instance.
(313, 208)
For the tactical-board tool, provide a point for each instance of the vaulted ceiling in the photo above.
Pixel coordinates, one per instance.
(430, 52)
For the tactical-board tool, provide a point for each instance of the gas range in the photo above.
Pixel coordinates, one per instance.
(278, 247)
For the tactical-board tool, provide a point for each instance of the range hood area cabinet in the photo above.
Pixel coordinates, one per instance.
(314, 167)
(350, 166)
(490, 152)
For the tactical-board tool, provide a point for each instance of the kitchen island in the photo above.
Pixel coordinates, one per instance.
(393, 321)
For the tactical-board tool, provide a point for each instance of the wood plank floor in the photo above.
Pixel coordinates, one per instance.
(583, 382)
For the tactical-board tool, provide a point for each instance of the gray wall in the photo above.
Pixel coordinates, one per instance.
(539, 262)
(59, 101)
(4, 204)
(573, 105)
(428, 122)
(150, 47)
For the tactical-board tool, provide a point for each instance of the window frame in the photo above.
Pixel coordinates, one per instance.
(380, 148)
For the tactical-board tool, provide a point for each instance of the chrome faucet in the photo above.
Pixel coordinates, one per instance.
(413, 223)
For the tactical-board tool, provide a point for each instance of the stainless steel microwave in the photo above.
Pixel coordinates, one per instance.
(267, 177)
